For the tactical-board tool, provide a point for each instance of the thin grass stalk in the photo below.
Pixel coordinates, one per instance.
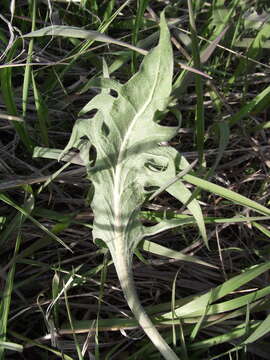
(141, 6)
(199, 115)
(9, 99)
(76, 342)
(27, 72)
(6, 299)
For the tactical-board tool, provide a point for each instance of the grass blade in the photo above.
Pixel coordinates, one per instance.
(164, 251)
(259, 332)
(27, 71)
(74, 32)
(227, 194)
(8, 289)
(199, 115)
(8, 201)
(198, 305)
(42, 113)
(9, 100)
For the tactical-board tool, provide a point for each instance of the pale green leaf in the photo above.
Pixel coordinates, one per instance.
(129, 162)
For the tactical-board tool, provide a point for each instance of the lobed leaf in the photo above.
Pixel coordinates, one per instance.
(129, 161)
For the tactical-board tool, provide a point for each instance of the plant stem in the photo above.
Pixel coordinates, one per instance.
(125, 276)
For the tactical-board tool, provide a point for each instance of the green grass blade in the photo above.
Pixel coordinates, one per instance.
(224, 135)
(8, 201)
(220, 291)
(227, 194)
(103, 277)
(7, 345)
(6, 300)
(221, 15)
(236, 333)
(27, 72)
(262, 229)
(198, 325)
(172, 308)
(185, 77)
(157, 249)
(10, 228)
(77, 345)
(109, 10)
(8, 95)
(8, 289)
(55, 291)
(74, 32)
(239, 302)
(59, 354)
(199, 115)
(182, 334)
(261, 330)
(262, 98)
(141, 6)
(42, 113)
(253, 51)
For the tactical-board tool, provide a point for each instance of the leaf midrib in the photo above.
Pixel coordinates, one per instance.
(117, 189)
